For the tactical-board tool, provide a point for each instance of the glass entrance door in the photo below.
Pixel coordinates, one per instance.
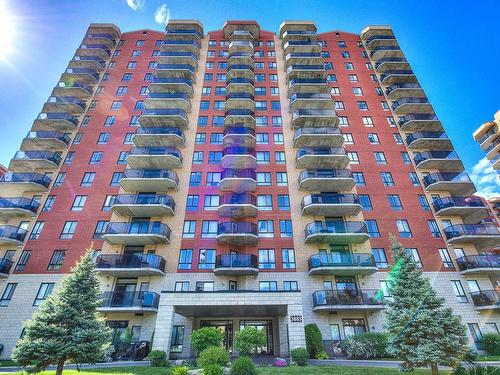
(226, 327)
(267, 327)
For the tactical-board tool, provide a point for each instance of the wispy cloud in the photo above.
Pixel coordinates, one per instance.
(162, 14)
(136, 4)
(486, 179)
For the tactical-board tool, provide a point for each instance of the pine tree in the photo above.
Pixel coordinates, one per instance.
(422, 332)
(66, 326)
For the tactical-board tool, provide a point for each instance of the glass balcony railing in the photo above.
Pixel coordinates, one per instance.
(139, 300)
(234, 151)
(347, 297)
(240, 55)
(168, 95)
(181, 43)
(335, 227)
(384, 48)
(241, 33)
(165, 112)
(236, 261)
(243, 198)
(240, 67)
(239, 131)
(239, 112)
(329, 199)
(145, 199)
(156, 151)
(240, 43)
(472, 262)
(317, 131)
(389, 60)
(425, 135)
(184, 32)
(300, 43)
(127, 261)
(13, 233)
(488, 134)
(19, 203)
(313, 112)
(332, 260)
(35, 178)
(49, 135)
(321, 151)
(101, 36)
(447, 202)
(38, 155)
(403, 101)
(151, 173)
(292, 68)
(180, 81)
(58, 116)
(96, 46)
(325, 173)
(459, 230)
(417, 117)
(240, 81)
(486, 298)
(239, 228)
(391, 88)
(80, 85)
(239, 173)
(178, 54)
(396, 72)
(299, 32)
(175, 67)
(90, 72)
(311, 96)
(67, 100)
(426, 155)
(446, 177)
(5, 266)
(90, 58)
(380, 37)
(307, 81)
(240, 95)
(298, 55)
(146, 228)
(494, 144)
(160, 131)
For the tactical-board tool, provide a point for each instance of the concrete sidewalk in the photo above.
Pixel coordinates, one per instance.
(87, 366)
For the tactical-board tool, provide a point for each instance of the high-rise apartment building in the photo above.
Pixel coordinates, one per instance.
(241, 177)
(488, 137)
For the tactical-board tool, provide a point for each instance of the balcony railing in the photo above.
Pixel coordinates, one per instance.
(173, 81)
(151, 173)
(425, 135)
(385, 37)
(338, 227)
(307, 95)
(472, 262)
(110, 37)
(299, 55)
(5, 266)
(145, 199)
(447, 202)
(156, 151)
(391, 88)
(242, 198)
(181, 43)
(239, 131)
(239, 173)
(240, 67)
(58, 116)
(403, 101)
(396, 72)
(90, 72)
(488, 134)
(239, 95)
(325, 173)
(321, 151)
(237, 228)
(20, 203)
(165, 112)
(389, 60)
(307, 81)
(175, 67)
(416, 117)
(140, 300)
(184, 32)
(446, 155)
(152, 228)
(446, 177)
(460, 230)
(178, 54)
(104, 261)
(90, 58)
(96, 46)
(240, 81)
(316, 131)
(383, 48)
(313, 112)
(236, 261)
(35, 178)
(65, 138)
(168, 95)
(485, 298)
(13, 233)
(160, 131)
(76, 85)
(38, 155)
(239, 112)
(235, 151)
(347, 297)
(66, 100)
(329, 199)
(330, 260)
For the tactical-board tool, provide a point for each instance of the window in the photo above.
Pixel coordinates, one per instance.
(459, 291)
(445, 257)
(59, 179)
(263, 178)
(128, 140)
(288, 258)
(136, 53)
(185, 259)
(49, 203)
(103, 138)
(339, 106)
(68, 230)
(405, 157)
(265, 202)
(56, 260)
(354, 78)
(412, 253)
(386, 178)
(414, 178)
(266, 228)
(279, 156)
(290, 285)
(70, 156)
(278, 139)
(359, 178)
(206, 259)
(108, 202)
(88, 179)
(267, 259)
(348, 139)
(433, 227)
(177, 338)
(127, 77)
(200, 138)
(380, 158)
(144, 89)
(96, 157)
(181, 286)
(281, 178)
(209, 228)
(268, 286)
(283, 202)
(211, 202)
(286, 228)
(398, 139)
(373, 139)
(343, 121)
(198, 157)
(7, 294)
(353, 157)
(349, 66)
(204, 286)
(195, 179)
(403, 228)
(213, 178)
(423, 202)
(23, 260)
(372, 228)
(37, 230)
(122, 90)
(117, 104)
(192, 202)
(44, 291)
(115, 178)
(395, 202)
(79, 203)
(214, 157)
(357, 91)
(262, 138)
(380, 257)
(365, 202)
(139, 105)
(189, 229)
(263, 157)
(100, 229)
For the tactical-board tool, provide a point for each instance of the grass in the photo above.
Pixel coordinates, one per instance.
(7, 363)
(484, 358)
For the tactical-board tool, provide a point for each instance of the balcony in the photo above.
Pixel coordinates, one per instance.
(245, 85)
(314, 118)
(74, 89)
(488, 137)
(470, 209)
(190, 46)
(55, 121)
(419, 122)
(130, 265)
(5, 267)
(315, 101)
(310, 86)
(293, 46)
(11, 207)
(317, 137)
(172, 57)
(186, 71)
(100, 38)
(149, 180)
(236, 265)
(347, 264)
(380, 40)
(238, 158)
(326, 180)
(338, 232)
(404, 106)
(383, 52)
(143, 205)
(240, 117)
(348, 299)
(240, 100)
(441, 160)
(392, 77)
(306, 71)
(240, 46)
(391, 63)
(169, 85)
(486, 299)
(238, 180)
(100, 50)
(240, 58)
(493, 150)
(456, 183)
(481, 235)
(303, 58)
(322, 157)
(88, 62)
(11, 235)
(69, 104)
(137, 233)
(240, 71)
(168, 100)
(238, 205)
(154, 158)
(244, 35)
(27, 161)
(180, 34)
(239, 233)
(404, 90)
(479, 264)
(21, 183)
(303, 35)
(84, 75)
(164, 117)
(328, 204)
(159, 137)
(46, 140)
(239, 137)
(428, 140)
(130, 302)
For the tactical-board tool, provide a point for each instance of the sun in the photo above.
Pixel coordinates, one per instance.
(6, 30)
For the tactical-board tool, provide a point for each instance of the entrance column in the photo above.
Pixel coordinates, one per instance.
(163, 328)
(292, 329)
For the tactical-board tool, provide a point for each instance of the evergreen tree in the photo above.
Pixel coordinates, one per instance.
(422, 332)
(66, 326)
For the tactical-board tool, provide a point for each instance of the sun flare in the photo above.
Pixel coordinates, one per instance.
(6, 31)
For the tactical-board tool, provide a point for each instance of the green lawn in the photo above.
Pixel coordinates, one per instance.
(483, 358)
(7, 363)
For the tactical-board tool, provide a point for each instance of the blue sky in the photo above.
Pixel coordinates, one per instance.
(452, 46)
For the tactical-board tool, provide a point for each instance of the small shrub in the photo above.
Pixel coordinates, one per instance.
(248, 339)
(157, 358)
(314, 340)
(476, 370)
(213, 369)
(322, 355)
(300, 356)
(366, 346)
(205, 337)
(279, 362)
(180, 370)
(491, 342)
(213, 355)
(243, 366)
